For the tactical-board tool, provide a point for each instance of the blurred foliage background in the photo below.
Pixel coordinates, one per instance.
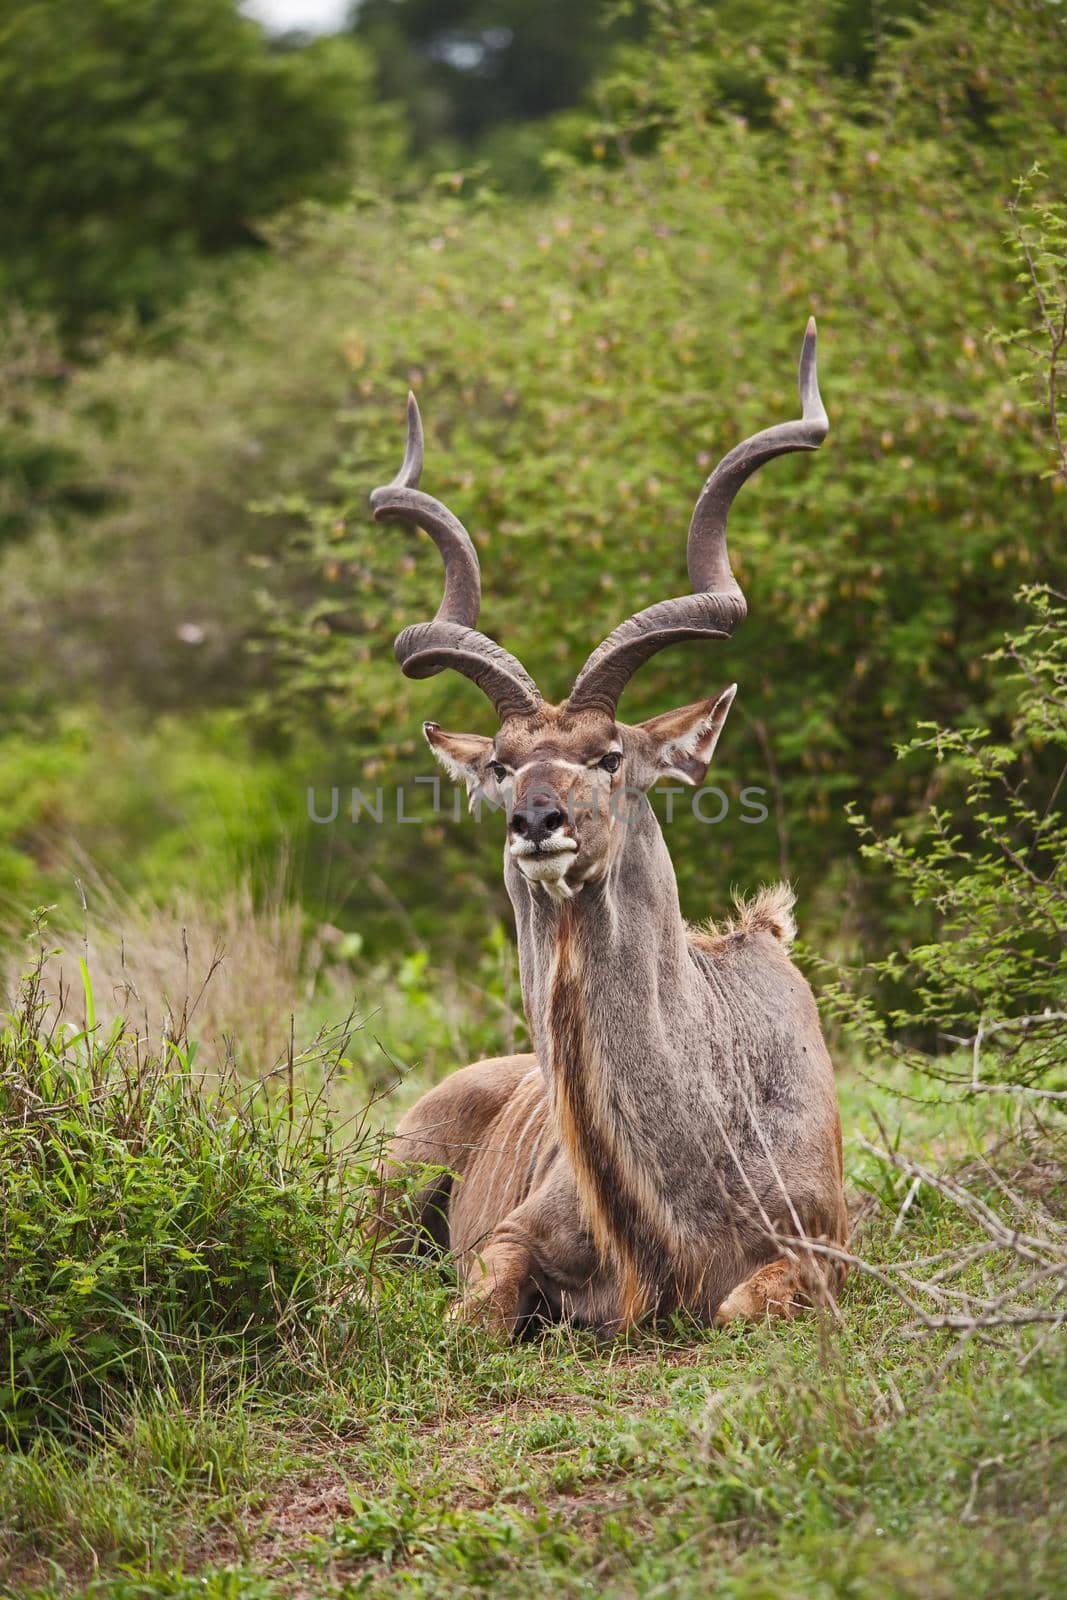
(589, 238)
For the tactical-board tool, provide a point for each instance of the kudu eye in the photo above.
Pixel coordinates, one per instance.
(498, 770)
(611, 762)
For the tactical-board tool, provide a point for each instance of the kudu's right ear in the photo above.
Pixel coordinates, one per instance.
(461, 754)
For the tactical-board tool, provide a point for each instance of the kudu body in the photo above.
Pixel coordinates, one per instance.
(673, 1141)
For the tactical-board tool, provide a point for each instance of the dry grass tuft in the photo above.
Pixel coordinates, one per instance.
(241, 974)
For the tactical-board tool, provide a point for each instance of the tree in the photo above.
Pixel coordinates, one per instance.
(136, 136)
(465, 68)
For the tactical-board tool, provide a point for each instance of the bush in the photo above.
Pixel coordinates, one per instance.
(993, 975)
(985, 866)
(159, 1223)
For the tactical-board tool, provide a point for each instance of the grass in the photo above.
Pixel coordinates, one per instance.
(161, 1221)
(240, 961)
(203, 1397)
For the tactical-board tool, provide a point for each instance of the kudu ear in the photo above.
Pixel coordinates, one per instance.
(681, 743)
(461, 754)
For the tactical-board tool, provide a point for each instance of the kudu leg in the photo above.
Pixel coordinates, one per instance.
(538, 1264)
(436, 1145)
(499, 1286)
(781, 1288)
(506, 1280)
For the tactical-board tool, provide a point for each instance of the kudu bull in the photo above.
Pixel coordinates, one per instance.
(674, 1140)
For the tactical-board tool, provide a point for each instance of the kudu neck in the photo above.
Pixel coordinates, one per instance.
(637, 900)
(627, 923)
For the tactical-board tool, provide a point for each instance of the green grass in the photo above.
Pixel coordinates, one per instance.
(219, 1407)
(163, 1222)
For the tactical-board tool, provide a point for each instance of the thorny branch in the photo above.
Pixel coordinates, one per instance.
(1011, 1278)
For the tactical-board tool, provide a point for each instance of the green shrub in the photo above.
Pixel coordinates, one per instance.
(189, 801)
(986, 869)
(984, 865)
(158, 1223)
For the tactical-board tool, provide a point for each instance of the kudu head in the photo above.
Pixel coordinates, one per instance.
(564, 774)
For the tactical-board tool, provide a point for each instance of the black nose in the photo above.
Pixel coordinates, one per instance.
(537, 816)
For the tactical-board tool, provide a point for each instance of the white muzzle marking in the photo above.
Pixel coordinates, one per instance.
(547, 864)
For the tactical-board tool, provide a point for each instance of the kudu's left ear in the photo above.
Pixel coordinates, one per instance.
(682, 742)
(461, 754)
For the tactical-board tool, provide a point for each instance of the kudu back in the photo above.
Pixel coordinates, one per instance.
(673, 1141)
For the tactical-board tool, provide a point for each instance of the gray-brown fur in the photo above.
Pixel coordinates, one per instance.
(677, 1120)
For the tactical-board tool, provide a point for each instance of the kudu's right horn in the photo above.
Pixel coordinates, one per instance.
(716, 604)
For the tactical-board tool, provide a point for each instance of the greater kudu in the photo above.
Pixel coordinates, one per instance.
(674, 1139)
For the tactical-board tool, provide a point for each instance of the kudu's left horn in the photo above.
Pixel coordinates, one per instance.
(716, 605)
(452, 638)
